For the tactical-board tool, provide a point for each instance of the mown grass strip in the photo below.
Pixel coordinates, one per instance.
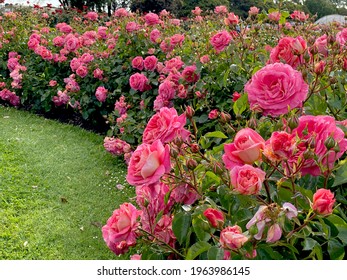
(57, 188)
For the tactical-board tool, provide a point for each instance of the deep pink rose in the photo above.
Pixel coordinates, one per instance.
(232, 238)
(82, 71)
(215, 217)
(246, 179)
(315, 130)
(150, 63)
(341, 37)
(213, 114)
(176, 39)
(165, 125)
(280, 146)
(290, 50)
(71, 43)
(246, 148)
(154, 36)
(221, 40)
(321, 44)
(189, 74)
(148, 163)
(137, 62)
(119, 232)
(276, 87)
(75, 63)
(323, 202)
(166, 90)
(132, 26)
(101, 94)
(151, 19)
(139, 82)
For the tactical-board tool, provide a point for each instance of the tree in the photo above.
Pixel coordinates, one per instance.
(320, 7)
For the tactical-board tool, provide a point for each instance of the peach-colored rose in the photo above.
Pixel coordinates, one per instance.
(275, 88)
(165, 125)
(246, 179)
(119, 232)
(323, 202)
(246, 148)
(148, 163)
(232, 238)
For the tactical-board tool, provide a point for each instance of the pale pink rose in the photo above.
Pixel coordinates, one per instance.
(221, 40)
(275, 88)
(221, 10)
(232, 238)
(86, 58)
(246, 179)
(75, 63)
(139, 82)
(253, 11)
(148, 163)
(164, 13)
(135, 257)
(290, 210)
(151, 19)
(215, 217)
(190, 75)
(199, 19)
(82, 71)
(132, 26)
(154, 35)
(323, 202)
(175, 21)
(184, 194)
(274, 233)
(63, 27)
(137, 63)
(260, 219)
(165, 125)
(12, 63)
(274, 16)
(101, 94)
(290, 50)
(232, 19)
(120, 231)
(300, 16)
(213, 114)
(61, 98)
(150, 63)
(246, 148)
(315, 130)
(121, 106)
(52, 83)
(321, 44)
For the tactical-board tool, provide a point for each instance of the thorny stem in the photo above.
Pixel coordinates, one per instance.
(308, 219)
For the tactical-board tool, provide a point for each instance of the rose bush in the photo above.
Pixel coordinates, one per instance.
(235, 145)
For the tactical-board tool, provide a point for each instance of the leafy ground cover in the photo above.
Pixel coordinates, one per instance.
(57, 188)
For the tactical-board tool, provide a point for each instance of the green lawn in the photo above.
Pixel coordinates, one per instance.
(57, 188)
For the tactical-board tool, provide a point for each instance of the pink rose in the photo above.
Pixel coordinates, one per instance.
(176, 39)
(276, 87)
(82, 71)
(253, 11)
(341, 37)
(116, 146)
(71, 43)
(151, 19)
(232, 19)
(58, 41)
(101, 94)
(213, 114)
(75, 63)
(215, 217)
(148, 163)
(150, 63)
(135, 257)
(323, 202)
(52, 83)
(165, 125)
(274, 233)
(221, 40)
(280, 146)
(92, 16)
(98, 73)
(121, 12)
(137, 63)
(189, 74)
(154, 36)
(139, 82)
(316, 129)
(221, 9)
(205, 59)
(166, 90)
(246, 179)
(232, 238)
(246, 148)
(132, 26)
(290, 50)
(197, 11)
(119, 232)
(321, 44)
(274, 16)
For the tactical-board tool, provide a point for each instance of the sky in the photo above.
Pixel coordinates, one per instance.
(32, 2)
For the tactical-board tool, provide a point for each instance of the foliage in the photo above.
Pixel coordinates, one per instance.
(226, 164)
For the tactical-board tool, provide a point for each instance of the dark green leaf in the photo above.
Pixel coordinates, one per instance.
(341, 175)
(309, 244)
(215, 253)
(197, 248)
(180, 225)
(336, 249)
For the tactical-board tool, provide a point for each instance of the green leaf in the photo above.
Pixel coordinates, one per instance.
(342, 234)
(318, 251)
(309, 244)
(241, 104)
(215, 253)
(201, 227)
(341, 175)
(180, 225)
(336, 249)
(214, 177)
(216, 134)
(197, 249)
